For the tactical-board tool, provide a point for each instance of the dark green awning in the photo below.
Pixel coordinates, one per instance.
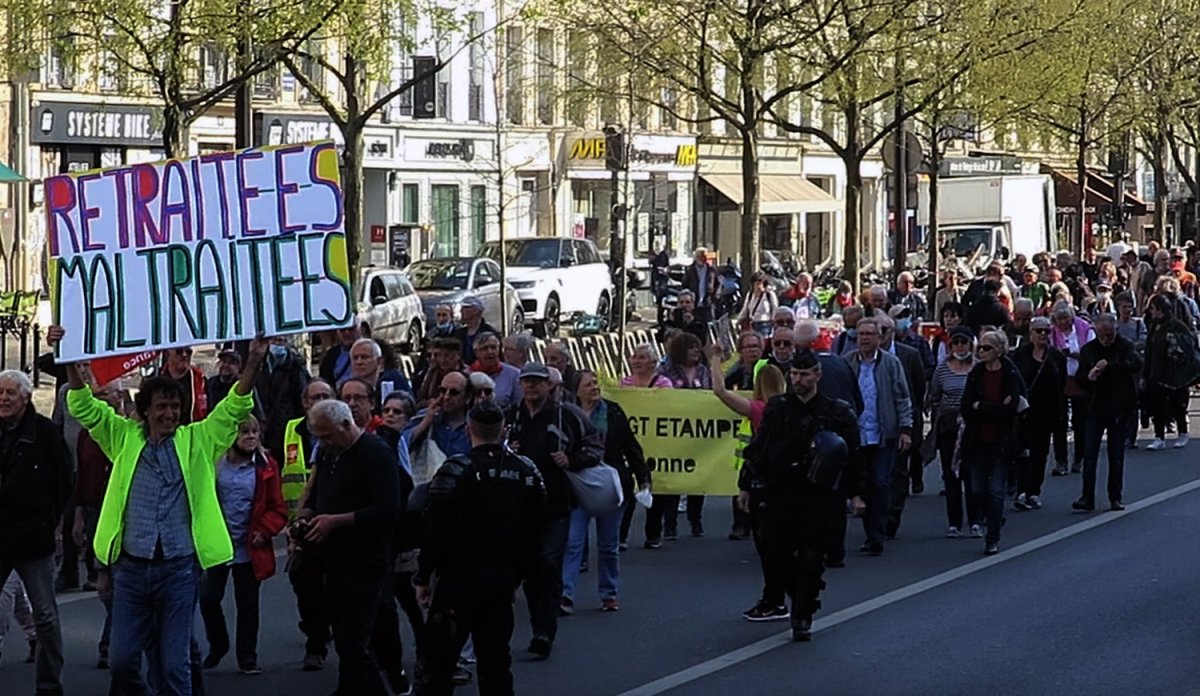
(9, 176)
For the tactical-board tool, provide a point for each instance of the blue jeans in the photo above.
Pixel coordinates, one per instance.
(608, 532)
(154, 603)
(881, 459)
(988, 481)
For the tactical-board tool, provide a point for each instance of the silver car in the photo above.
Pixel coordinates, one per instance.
(450, 280)
(389, 308)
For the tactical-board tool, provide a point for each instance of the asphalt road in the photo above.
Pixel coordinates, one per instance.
(1075, 604)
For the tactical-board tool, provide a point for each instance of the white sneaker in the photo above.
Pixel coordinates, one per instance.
(954, 533)
(1156, 444)
(976, 531)
(1181, 441)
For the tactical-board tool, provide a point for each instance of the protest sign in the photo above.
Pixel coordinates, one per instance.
(688, 437)
(105, 370)
(219, 247)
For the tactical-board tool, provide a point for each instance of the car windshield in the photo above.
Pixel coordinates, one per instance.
(541, 253)
(967, 241)
(440, 275)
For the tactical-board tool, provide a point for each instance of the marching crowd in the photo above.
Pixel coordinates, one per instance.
(436, 498)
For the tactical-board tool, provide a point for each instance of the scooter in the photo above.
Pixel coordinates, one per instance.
(729, 290)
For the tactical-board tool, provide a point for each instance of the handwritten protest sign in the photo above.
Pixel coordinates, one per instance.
(214, 248)
(688, 437)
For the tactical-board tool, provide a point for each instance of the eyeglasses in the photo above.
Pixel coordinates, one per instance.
(183, 351)
(785, 322)
(782, 344)
(447, 391)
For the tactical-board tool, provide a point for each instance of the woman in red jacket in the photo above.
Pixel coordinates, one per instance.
(248, 487)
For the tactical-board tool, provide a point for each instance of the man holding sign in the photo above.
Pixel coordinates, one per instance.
(161, 521)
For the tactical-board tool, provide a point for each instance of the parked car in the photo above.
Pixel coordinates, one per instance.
(449, 280)
(556, 279)
(389, 308)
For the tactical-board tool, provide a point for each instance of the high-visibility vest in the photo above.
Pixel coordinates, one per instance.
(745, 431)
(294, 473)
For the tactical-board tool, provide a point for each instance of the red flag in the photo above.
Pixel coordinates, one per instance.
(109, 368)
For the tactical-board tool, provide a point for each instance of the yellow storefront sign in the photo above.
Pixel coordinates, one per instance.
(587, 149)
(688, 437)
(686, 156)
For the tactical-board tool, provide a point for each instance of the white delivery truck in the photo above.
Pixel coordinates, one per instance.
(996, 216)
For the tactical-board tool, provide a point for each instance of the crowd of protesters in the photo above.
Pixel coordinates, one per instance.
(166, 495)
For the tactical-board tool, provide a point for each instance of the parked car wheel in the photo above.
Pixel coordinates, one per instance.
(412, 342)
(517, 323)
(548, 327)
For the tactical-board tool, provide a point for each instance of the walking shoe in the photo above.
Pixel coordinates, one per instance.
(1034, 502)
(802, 630)
(697, 529)
(1181, 441)
(623, 546)
(609, 604)
(739, 534)
(976, 531)
(1020, 503)
(918, 487)
(652, 544)
(1060, 470)
(873, 547)
(1084, 504)
(765, 612)
(251, 669)
(671, 534)
(954, 533)
(88, 586)
(566, 607)
(991, 548)
(541, 646)
(1156, 444)
(1116, 505)
(313, 663)
(398, 681)
(214, 658)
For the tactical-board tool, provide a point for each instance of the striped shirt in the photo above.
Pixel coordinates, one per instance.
(947, 389)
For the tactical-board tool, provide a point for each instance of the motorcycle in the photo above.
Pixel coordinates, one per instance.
(728, 301)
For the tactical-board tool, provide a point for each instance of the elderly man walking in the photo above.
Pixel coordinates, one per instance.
(35, 483)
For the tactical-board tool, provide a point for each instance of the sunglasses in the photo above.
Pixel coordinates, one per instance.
(782, 344)
(986, 349)
(183, 351)
(1040, 331)
(447, 391)
(487, 392)
(785, 322)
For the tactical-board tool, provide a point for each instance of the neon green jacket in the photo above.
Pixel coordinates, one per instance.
(199, 447)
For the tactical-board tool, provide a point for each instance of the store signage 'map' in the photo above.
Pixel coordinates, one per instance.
(221, 247)
(587, 149)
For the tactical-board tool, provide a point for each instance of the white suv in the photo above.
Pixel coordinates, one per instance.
(555, 278)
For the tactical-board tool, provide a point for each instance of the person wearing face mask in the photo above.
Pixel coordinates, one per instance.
(279, 389)
(248, 489)
(847, 340)
(783, 346)
(906, 334)
(1104, 302)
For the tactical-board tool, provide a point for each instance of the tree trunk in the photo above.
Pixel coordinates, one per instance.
(1159, 164)
(1077, 226)
(852, 233)
(352, 167)
(750, 205)
(174, 131)
(933, 243)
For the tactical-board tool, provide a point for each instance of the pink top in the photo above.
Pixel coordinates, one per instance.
(757, 407)
(660, 381)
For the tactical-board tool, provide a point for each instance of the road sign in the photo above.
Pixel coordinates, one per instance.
(912, 151)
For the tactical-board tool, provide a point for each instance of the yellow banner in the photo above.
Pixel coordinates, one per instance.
(688, 436)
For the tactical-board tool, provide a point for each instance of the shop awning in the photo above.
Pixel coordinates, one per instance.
(9, 176)
(779, 194)
(1098, 191)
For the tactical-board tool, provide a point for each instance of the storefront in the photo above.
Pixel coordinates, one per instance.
(658, 191)
(77, 136)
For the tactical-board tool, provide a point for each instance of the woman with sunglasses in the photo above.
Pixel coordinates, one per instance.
(945, 403)
(759, 307)
(1044, 370)
(991, 400)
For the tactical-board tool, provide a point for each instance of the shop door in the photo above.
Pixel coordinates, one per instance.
(445, 221)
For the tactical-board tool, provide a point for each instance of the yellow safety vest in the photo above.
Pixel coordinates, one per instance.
(745, 431)
(294, 473)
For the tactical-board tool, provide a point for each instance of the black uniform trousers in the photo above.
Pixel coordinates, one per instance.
(306, 573)
(798, 526)
(354, 592)
(468, 606)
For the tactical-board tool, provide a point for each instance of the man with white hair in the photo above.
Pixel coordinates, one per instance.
(472, 325)
(36, 473)
(906, 294)
(366, 363)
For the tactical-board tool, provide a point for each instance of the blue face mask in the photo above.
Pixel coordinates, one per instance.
(852, 334)
(903, 324)
(444, 327)
(279, 352)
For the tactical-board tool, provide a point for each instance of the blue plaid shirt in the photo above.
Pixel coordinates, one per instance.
(157, 515)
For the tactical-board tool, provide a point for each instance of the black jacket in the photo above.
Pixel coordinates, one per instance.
(362, 479)
(1002, 414)
(556, 428)
(987, 311)
(777, 456)
(914, 372)
(36, 480)
(691, 281)
(278, 398)
(1117, 386)
(1044, 381)
(838, 381)
(622, 451)
(468, 340)
(1171, 359)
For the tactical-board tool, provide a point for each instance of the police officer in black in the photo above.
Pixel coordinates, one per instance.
(801, 460)
(484, 514)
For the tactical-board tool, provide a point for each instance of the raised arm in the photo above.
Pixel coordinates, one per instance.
(735, 402)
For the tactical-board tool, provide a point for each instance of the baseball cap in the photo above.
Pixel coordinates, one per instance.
(898, 311)
(472, 301)
(962, 332)
(534, 370)
(230, 356)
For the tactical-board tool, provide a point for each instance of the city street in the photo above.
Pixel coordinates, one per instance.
(1074, 604)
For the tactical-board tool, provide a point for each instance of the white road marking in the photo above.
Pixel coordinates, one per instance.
(748, 652)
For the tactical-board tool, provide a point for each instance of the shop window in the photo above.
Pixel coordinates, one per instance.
(478, 217)
(214, 65)
(410, 203)
(444, 204)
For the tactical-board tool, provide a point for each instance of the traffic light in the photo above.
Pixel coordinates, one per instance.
(616, 155)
